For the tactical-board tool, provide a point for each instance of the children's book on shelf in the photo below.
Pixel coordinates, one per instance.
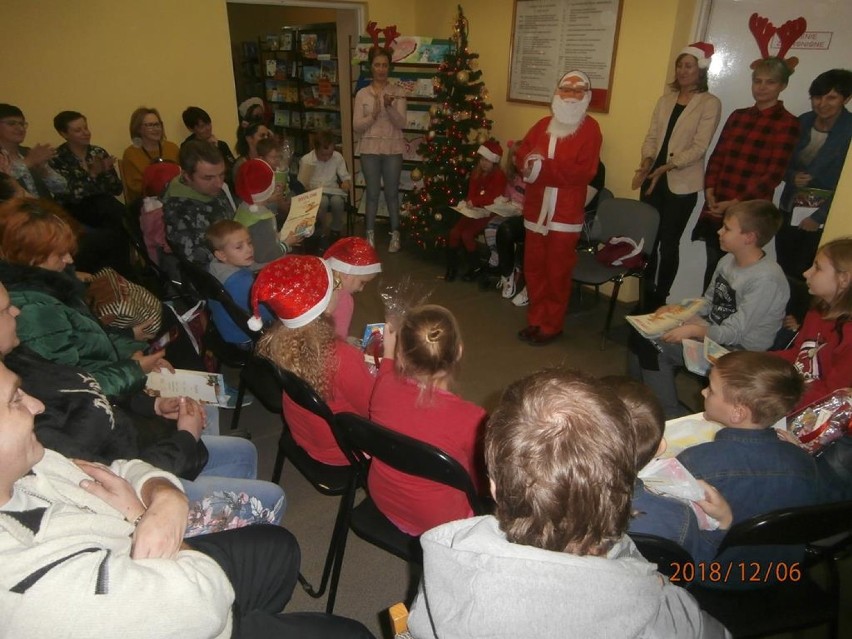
(418, 119)
(286, 40)
(295, 119)
(282, 117)
(328, 70)
(666, 318)
(310, 73)
(308, 45)
(271, 42)
(310, 96)
(411, 152)
(322, 44)
(413, 85)
(207, 388)
(271, 66)
(408, 49)
(327, 93)
(303, 214)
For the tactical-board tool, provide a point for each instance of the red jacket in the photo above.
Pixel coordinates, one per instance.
(573, 166)
(822, 355)
(484, 189)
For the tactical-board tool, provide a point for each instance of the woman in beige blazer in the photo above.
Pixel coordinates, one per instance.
(672, 170)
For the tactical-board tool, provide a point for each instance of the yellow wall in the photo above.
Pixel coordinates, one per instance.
(105, 58)
(250, 21)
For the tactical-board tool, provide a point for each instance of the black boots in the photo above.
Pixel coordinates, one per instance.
(452, 264)
(474, 267)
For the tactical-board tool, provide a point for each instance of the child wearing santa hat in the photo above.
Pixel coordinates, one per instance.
(255, 187)
(354, 263)
(487, 182)
(301, 291)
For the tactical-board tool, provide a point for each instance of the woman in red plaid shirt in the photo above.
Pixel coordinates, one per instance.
(750, 157)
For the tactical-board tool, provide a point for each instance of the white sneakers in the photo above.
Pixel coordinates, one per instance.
(371, 238)
(522, 298)
(394, 242)
(509, 284)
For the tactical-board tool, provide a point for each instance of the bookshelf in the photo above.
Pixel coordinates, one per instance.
(301, 82)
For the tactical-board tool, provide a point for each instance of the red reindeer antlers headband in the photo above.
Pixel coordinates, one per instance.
(391, 34)
(763, 30)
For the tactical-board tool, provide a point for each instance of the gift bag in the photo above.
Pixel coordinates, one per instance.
(621, 251)
(122, 304)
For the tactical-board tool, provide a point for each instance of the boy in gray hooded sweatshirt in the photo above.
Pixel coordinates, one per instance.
(555, 560)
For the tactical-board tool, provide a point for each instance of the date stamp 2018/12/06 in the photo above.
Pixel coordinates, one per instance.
(739, 571)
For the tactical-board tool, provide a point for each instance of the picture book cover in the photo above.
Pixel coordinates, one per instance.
(308, 42)
(310, 73)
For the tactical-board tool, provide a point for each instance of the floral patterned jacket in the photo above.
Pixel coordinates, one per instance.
(80, 183)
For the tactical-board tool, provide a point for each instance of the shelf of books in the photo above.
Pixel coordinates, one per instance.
(415, 60)
(301, 82)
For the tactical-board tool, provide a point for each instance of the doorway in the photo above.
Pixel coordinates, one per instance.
(251, 22)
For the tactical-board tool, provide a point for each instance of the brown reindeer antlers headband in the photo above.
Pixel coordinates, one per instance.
(391, 34)
(763, 30)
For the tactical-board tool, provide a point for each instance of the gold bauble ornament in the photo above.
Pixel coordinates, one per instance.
(416, 174)
(463, 76)
(438, 217)
(433, 110)
(431, 135)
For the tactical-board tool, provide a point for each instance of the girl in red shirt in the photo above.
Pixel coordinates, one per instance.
(822, 350)
(412, 396)
(302, 292)
(487, 183)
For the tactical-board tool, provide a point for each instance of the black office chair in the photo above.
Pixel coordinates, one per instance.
(268, 382)
(793, 600)
(671, 559)
(617, 217)
(199, 284)
(363, 440)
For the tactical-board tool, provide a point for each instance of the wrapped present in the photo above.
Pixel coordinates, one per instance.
(822, 422)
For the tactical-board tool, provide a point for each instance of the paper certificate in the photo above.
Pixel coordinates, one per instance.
(302, 216)
(207, 388)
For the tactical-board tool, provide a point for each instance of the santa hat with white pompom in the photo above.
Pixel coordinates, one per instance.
(297, 288)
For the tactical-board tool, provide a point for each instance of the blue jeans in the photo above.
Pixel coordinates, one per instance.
(232, 466)
(382, 171)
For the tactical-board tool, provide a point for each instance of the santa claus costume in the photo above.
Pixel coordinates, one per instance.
(558, 158)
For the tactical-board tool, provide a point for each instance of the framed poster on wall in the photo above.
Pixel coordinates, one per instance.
(550, 37)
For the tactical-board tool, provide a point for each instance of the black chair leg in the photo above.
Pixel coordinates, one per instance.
(279, 465)
(241, 393)
(342, 522)
(615, 288)
(336, 536)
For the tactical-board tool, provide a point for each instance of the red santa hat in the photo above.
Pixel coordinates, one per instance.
(491, 150)
(353, 256)
(255, 182)
(297, 288)
(701, 51)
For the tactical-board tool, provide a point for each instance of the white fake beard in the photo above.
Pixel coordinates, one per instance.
(567, 115)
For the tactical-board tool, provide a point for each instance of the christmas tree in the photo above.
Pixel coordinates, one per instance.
(458, 127)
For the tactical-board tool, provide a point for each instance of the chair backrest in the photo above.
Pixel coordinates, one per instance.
(622, 217)
(406, 454)
(209, 288)
(303, 394)
(669, 556)
(791, 526)
(262, 378)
